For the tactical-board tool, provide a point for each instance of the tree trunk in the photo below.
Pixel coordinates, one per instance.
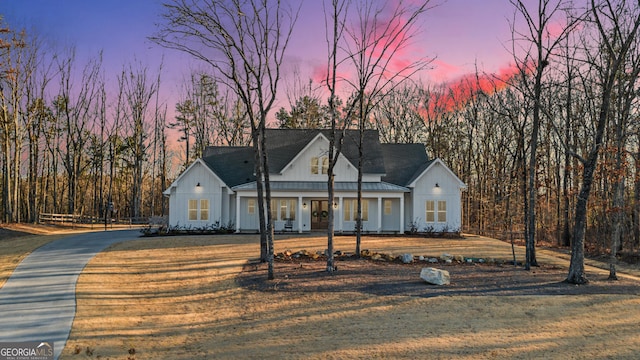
(576, 266)
(257, 146)
(359, 211)
(618, 215)
(636, 201)
(267, 186)
(330, 229)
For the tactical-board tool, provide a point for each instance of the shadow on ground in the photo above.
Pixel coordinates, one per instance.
(390, 278)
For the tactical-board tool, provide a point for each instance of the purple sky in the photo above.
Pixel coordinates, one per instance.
(460, 33)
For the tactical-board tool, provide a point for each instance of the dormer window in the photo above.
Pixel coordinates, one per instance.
(319, 165)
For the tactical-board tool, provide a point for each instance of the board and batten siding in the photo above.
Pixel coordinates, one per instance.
(448, 190)
(300, 168)
(211, 188)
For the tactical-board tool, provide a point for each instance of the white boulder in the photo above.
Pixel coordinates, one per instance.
(435, 276)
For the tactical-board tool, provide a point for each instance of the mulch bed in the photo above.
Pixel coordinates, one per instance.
(383, 278)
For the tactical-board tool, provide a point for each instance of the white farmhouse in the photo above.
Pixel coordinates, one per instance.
(402, 188)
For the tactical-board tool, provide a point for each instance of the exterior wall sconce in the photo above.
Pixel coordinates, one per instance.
(198, 184)
(437, 185)
(335, 205)
(304, 205)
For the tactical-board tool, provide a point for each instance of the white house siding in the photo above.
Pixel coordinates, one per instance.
(408, 211)
(377, 221)
(300, 168)
(227, 207)
(448, 190)
(186, 189)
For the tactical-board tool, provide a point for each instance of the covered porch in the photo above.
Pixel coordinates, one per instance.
(303, 207)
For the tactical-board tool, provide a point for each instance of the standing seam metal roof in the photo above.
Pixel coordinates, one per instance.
(322, 186)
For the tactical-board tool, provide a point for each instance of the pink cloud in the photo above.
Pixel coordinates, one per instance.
(319, 74)
(457, 93)
(443, 70)
(554, 30)
(390, 38)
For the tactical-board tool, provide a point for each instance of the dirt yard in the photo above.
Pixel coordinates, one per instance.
(198, 298)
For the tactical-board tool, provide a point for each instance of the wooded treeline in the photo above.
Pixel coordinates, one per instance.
(73, 144)
(522, 138)
(75, 141)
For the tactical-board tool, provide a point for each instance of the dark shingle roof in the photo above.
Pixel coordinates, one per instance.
(404, 162)
(234, 165)
(399, 162)
(284, 144)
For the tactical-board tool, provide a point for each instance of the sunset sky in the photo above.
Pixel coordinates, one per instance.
(458, 33)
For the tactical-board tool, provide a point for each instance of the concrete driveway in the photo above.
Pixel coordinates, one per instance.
(38, 301)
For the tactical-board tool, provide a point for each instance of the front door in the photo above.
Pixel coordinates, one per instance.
(319, 214)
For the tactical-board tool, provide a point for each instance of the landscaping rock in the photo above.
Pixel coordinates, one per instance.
(376, 256)
(302, 253)
(421, 258)
(435, 276)
(458, 258)
(446, 256)
(407, 258)
(433, 260)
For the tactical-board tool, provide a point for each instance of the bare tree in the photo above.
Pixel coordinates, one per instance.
(617, 27)
(244, 42)
(16, 68)
(398, 117)
(158, 153)
(232, 127)
(198, 113)
(138, 91)
(542, 44)
(306, 110)
(371, 46)
(335, 16)
(73, 106)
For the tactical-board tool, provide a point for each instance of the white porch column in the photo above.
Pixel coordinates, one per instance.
(299, 214)
(379, 214)
(341, 207)
(237, 212)
(402, 214)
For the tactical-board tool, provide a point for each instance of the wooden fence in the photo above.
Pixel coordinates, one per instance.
(70, 219)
